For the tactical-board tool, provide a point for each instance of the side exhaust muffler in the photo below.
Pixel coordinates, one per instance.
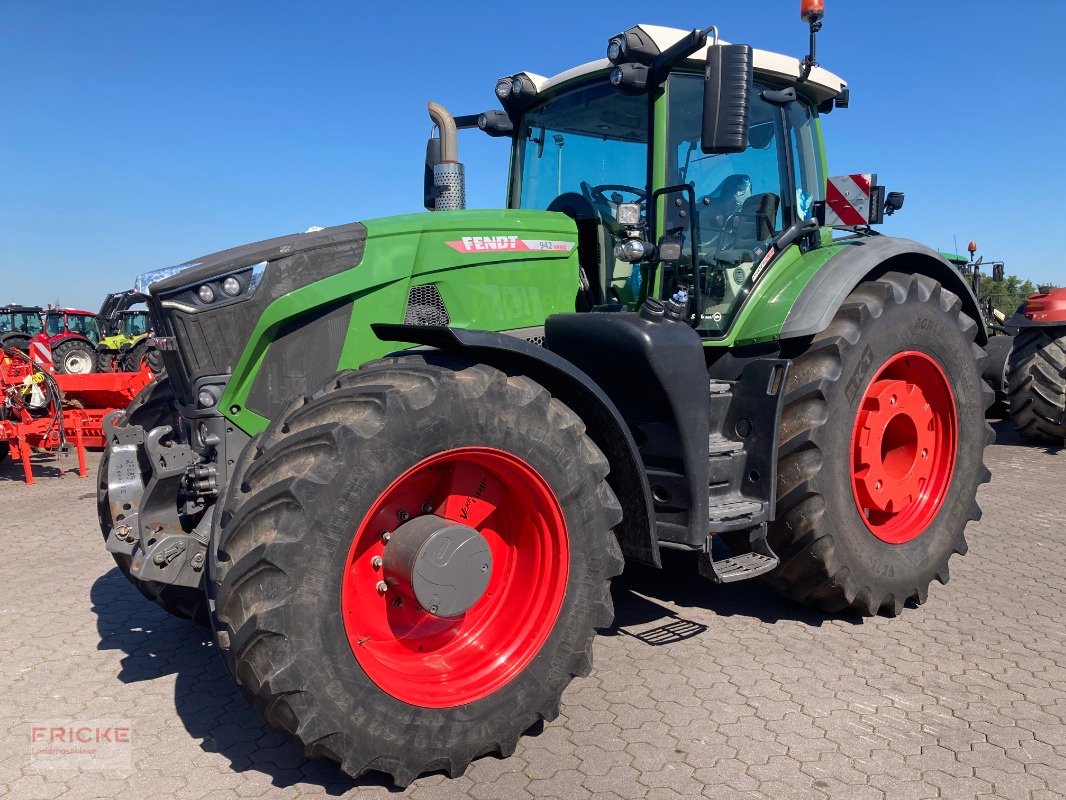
(445, 179)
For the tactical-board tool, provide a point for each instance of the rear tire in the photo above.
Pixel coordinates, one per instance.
(153, 406)
(1037, 377)
(74, 357)
(838, 547)
(5, 451)
(293, 595)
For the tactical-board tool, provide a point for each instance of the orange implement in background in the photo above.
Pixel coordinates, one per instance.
(41, 412)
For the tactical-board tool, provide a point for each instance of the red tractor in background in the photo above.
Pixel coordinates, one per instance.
(1036, 372)
(73, 336)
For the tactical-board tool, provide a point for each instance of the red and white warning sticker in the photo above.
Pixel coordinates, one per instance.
(483, 244)
(847, 199)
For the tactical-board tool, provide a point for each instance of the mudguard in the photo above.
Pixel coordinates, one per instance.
(603, 422)
(1041, 310)
(868, 258)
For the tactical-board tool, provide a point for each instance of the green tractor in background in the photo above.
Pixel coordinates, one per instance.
(126, 345)
(1000, 337)
(397, 463)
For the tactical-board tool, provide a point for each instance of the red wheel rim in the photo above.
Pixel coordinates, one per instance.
(903, 447)
(435, 662)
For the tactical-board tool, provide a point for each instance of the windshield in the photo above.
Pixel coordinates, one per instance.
(582, 140)
(54, 324)
(136, 323)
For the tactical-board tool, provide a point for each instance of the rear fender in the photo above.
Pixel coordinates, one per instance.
(866, 259)
(603, 422)
(1041, 310)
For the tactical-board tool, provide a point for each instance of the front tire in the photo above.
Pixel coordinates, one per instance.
(881, 449)
(369, 676)
(1037, 378)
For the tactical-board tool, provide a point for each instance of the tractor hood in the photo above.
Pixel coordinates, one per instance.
(210, 266)
(221, 313)
(490, 231)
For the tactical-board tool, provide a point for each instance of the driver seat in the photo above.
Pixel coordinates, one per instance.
(755, 222)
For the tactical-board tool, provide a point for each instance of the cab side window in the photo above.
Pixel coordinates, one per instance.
(806, 159)
(743, 200)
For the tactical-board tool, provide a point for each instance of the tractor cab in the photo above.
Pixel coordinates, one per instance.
(724, 139)
(586, 144)
(133, 323)
(18, 325)
(20, 319)
(65, 322)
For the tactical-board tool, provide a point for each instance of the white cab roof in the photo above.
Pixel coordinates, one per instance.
(821, 85)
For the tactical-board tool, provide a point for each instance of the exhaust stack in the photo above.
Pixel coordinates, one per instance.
(445, 180)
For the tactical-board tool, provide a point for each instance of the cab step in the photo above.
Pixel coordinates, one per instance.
(736, 511)
(720, 447)
(759, 560)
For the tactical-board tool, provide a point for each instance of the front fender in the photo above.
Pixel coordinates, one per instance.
(869, 258)
(63, 338)
(603, 422)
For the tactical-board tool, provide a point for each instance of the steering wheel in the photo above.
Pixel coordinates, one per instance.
(597, 194)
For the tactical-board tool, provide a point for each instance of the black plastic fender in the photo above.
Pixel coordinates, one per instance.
(869, 258)
(603, 422)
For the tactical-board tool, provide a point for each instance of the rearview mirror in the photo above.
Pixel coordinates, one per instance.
(727, 88)
(997, 272)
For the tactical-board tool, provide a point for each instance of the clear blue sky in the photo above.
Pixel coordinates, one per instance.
(140, 134)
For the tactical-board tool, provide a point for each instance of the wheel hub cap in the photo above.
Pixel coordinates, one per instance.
(442, 566)
(77, 364)
(455, 577)
(903, 447)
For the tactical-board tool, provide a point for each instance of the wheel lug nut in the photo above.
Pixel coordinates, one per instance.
(382, 587)
(878, 486)
(375, 562)
(427, 507)
(925, 454)
(397, 602)
(385, 536)
(404, 516)
(892, 400)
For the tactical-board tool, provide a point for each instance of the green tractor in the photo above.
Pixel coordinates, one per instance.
(396, 463)
(126, 345)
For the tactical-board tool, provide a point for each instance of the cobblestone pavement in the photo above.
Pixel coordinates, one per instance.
(698, 690)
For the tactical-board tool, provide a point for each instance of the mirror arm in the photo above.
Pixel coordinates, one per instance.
(675, 54)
